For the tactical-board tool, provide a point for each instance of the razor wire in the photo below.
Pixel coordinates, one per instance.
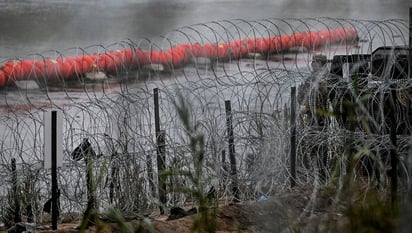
(116, 114)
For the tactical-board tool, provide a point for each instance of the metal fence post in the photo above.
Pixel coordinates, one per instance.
(293, 137)
(150, 174)
(160, 141)
(91, 192)
(55, 208)
(232, 157)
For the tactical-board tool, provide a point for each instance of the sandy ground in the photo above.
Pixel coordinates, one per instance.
(288, 211)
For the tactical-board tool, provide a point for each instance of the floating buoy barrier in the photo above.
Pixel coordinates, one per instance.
(96, 66)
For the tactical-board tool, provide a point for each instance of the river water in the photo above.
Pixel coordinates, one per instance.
(40, 26)
(34, 26)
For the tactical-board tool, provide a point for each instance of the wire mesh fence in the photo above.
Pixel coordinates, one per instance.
(106, 94)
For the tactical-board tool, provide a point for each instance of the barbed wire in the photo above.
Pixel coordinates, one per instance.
(111, 104)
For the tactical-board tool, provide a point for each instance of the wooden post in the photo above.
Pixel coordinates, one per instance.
(160, 141)
(293, 137)
(232, 153)
(17, 217)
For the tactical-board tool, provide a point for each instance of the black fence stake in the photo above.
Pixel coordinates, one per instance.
(224, 170)
(55, 208)
(160, 141)
(293, 137)
(90, 212)
(17, 216)
(232, 157)
(150, 174)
